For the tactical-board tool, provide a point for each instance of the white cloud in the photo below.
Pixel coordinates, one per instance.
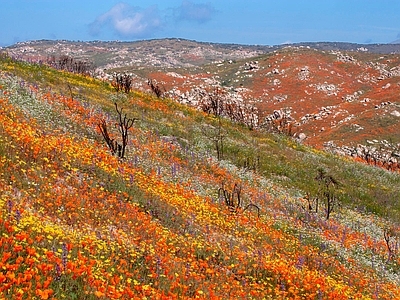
(128, 21)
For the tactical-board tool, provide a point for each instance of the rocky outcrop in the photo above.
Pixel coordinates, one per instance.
(344, 57)
(304, 74)
(329, 89)
(251, 66)
(353, 97)
(378, 153)
(323, 113)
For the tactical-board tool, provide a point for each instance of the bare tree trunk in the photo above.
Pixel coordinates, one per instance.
(124, 124)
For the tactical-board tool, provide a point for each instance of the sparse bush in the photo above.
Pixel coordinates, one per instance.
(213, 102)
(389, 235)
(156, 88)
(326, 193)
(231, 197)
(67, 63)
(312, 203)
(280, 122)
(123, 125)
(252, 163)
(217, 136)
(4, 56)
(122, 82)
(218, 103)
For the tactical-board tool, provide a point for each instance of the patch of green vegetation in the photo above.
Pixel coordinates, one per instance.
(384, 121)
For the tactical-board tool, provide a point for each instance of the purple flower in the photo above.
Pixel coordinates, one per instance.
(187, 269)
(158, 170)
(300, 262)
(131, 178)
(17, 216)
(9, 206)
(57, 271)
(64, 255)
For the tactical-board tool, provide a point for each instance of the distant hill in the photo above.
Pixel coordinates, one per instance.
(169, 52)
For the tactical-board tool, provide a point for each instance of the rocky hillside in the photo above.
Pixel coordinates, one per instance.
(338, 96)
(166, 53)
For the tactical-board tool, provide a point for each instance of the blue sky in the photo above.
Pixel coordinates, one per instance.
(262, 22)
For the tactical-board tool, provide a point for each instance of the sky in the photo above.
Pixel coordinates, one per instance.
(251, 22)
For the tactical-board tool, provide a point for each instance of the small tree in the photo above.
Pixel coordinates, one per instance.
(280, 122)
(217, 136)
(232, 198)
(155, 88)
(389, 236)
(328, 185)
(122, 82)
(123, 125)
(213, 102)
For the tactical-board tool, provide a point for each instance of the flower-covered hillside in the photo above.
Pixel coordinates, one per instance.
(333, 97)
(198, 208)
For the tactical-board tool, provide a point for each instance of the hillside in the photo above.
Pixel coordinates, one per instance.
(339, 97)
(342, 102)
(199, 208)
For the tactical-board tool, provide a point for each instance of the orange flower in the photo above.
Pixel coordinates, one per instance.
(18, 248)
(21, 236)
(50, 254)
(10, 275)
(30, 251)
(2, 278)
(19, 260)
(6, 255)
(44, 294)
(99, 294)
(47, 282)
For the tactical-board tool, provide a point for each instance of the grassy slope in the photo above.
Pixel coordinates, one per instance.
(153, 225)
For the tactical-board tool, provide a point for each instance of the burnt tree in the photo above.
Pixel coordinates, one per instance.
(217, 136)
(122, 82)
(156, 88)
(231, 198)
(327, 191)
(123, 126)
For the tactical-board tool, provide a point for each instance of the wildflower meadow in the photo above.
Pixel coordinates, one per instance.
(170, 220)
